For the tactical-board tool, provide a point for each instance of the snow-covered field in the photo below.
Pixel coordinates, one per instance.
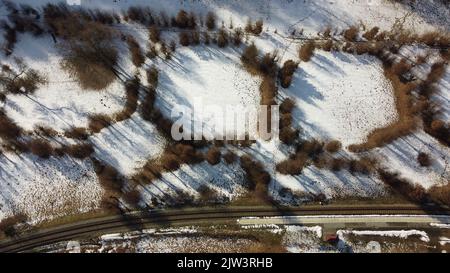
(46, 189)
(61, 103)
(207, 80)
(338, 96)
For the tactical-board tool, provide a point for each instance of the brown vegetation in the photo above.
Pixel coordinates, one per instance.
(210, 21)
(41, 148)
(423, 159)
(98, 122)
(333, 146)
(213, 156)
(286, 72)
(306, 51)
(154, 34)
(137, 57)
(254, 28)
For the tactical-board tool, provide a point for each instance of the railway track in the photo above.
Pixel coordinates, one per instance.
(163, 218)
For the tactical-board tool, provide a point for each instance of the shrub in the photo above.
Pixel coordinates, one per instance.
(268, 64)
(24, 81)
(195, 37)
(41, 148)
(109, 178)
(237, 36)
(370, 34)
(351, 34)
(333, 146)
(185, 20)
(154, 34)
(293, 166)
(327, 46)
(207, 194)
(312, 147)
(213, 156)
(90, 56)
(288, 135)
(254, 29)
(250, 58)
(337, 164)
(268, 90)
(423, 159)
(440, 194)
(287, 106)
(10, 38)
(140, 15)
(184, 38)
(152, 52)
(186, 153)
(153, 76)
(8, 128)
(257, 177)
(7, 224)
(286, 72)
(401, 67)
(170, 162)
(132, 197)
(98, 122)
(327, 32)
(77, 133)
(80, 151)
(415, 193)
(230, 157)
(45, 131)
(306, 51)
(206, 38)
(210, 21)
(222, 38)
(137, 57)
(364, 165)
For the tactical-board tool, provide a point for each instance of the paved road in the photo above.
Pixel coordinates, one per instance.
(219, 215)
